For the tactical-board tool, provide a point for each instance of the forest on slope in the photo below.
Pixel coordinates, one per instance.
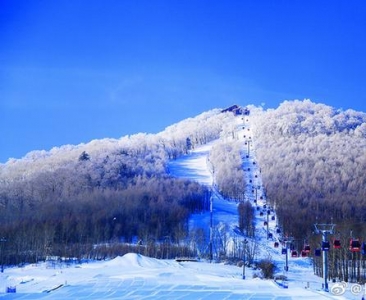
(313, 166)
(63, 201)
(71, 198)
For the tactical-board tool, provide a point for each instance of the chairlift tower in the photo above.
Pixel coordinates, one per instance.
(325, 230)
(288, 242)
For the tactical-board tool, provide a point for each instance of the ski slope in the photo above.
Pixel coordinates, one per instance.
(196, 166)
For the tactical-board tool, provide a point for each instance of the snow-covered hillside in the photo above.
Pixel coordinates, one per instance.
(134, 276)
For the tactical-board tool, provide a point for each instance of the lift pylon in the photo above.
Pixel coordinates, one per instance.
(325, 230)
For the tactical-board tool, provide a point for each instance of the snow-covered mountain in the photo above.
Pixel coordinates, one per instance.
(134, 276)
(299, 164)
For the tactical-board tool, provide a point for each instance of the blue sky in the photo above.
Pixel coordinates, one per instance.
(72, 71)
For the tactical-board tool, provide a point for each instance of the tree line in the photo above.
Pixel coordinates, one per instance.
(148, 209)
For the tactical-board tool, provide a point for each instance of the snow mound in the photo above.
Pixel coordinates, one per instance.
(137, 260)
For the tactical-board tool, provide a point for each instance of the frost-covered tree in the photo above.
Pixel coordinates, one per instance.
(313, 163)
(228, 171)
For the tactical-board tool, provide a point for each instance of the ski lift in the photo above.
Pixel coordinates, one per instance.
(354, 245)
(306, 249)
(317, 252)
(265, 223)
(270, 235)
(284, 251)
(363, 248)
(278, 230)
(276, 244)
(294, 253)
(261, 213)
(273, 218)
(336, 244)
(325, 245)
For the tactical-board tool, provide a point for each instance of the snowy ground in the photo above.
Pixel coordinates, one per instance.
(137, 277)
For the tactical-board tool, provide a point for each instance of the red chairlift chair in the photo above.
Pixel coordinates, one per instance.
(276, 244)
(336, 244)
(305, 251)
(355, 245)
(294, 253)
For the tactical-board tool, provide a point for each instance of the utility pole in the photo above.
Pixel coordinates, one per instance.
(286, 264)
(248, 143)
(211, 212)
(325, 230)
(211, 229)
(268, 212)
(2, 241)
(245, 242)
(255, 189)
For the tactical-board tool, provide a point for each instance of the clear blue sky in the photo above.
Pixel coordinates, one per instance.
(72, 71)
